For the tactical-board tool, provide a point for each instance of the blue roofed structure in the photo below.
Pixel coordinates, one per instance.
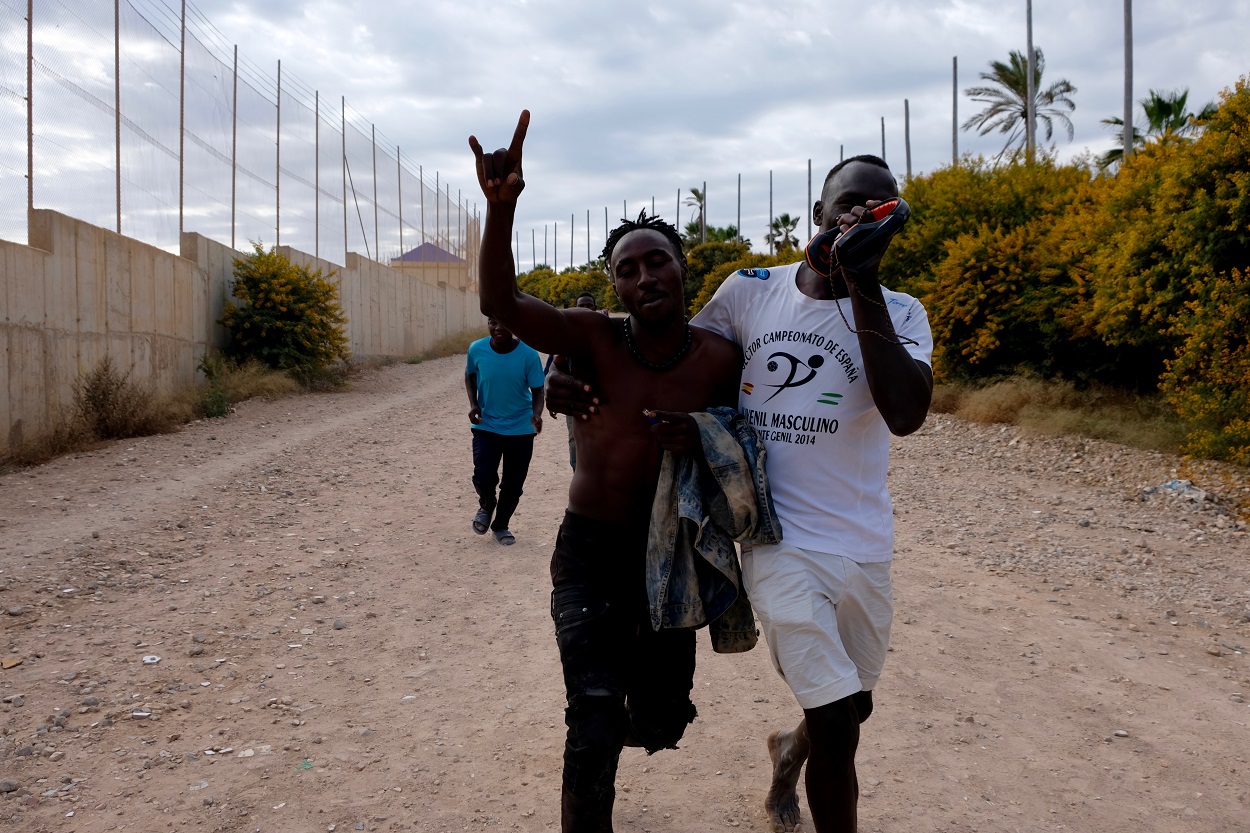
(427, 253)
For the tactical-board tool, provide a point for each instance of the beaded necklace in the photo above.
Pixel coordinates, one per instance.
(659, 366)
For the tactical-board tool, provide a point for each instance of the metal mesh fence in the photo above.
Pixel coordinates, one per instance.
(12, 122)
(145, 121)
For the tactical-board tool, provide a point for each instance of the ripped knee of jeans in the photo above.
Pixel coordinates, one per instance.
(660, 725)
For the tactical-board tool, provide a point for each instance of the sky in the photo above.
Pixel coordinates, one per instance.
(632, 100)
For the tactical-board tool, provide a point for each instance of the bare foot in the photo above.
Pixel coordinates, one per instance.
(782, 802)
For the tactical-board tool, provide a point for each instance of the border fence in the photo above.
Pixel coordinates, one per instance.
(139, 117)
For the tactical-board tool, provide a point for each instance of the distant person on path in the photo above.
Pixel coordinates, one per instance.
(504, 380)
(835, 363)
(625, 682)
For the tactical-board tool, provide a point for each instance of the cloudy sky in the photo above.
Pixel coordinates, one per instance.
(635, 99)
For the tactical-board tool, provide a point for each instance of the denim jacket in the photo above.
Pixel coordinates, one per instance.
(693, 575)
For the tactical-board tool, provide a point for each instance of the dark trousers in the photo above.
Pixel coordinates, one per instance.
(624, 682)
(515, 452)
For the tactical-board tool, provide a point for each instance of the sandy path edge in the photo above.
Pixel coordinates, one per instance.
(306, 572)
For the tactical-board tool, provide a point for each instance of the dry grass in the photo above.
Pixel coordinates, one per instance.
(111, 406)
(253, 379)
(108, 405)
(1059, 409)
(452, 345)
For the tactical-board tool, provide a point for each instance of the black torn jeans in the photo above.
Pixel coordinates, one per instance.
(624, 682)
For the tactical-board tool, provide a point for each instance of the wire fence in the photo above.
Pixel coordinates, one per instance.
(140, 117)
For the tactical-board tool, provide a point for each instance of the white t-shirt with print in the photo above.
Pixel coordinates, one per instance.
(804, 391)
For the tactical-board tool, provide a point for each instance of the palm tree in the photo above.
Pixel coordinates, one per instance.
(1006, 111)
(695, 201)
(781, 234)
(693, 234)
(1167, 119)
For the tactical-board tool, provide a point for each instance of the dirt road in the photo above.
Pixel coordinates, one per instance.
(338, 652)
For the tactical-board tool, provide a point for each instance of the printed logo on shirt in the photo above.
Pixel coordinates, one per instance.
(762, 274)
(795, 368)
(790, 366)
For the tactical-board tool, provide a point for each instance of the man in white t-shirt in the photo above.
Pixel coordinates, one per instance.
(833, 364)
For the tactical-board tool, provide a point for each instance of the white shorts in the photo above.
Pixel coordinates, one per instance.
(825, 617)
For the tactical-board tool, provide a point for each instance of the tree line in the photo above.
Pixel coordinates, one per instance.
(1132, 273)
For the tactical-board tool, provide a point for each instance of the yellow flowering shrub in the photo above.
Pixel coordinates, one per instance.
(286, 315)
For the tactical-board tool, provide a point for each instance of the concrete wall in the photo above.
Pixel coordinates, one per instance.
(78, 293)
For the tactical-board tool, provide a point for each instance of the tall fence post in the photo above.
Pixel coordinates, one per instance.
(739, 206)
(1128, 81)
(399, 187)
(907, 134)
(772, 238)
(343, 122)
(955, 110)
(117, 104)
(703, 216)
(588, 235)
(421, 191)
(234, 148)
(277, 168)
(377, 252)
(1030, 103)
(182, 118)
(317, 173)
(809, 199)
(30, 113)
(572, 233)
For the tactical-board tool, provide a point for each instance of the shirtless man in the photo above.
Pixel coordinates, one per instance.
(624, 682)
(835, 363)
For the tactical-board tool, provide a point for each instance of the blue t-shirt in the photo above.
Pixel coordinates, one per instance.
(503, 386)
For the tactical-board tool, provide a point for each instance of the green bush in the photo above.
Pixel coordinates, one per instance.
(287, 315)
(562, 290)
(751, 260)
(709, 259)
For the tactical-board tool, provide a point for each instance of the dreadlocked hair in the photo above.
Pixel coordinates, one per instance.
(653, 223)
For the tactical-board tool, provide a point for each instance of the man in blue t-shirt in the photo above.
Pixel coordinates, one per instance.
(504, 380)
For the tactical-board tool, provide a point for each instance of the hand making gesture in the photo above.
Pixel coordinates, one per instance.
(499, 173)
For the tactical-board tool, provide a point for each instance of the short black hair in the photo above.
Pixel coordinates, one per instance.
(863, 157)
(653, 223)
(585, 295)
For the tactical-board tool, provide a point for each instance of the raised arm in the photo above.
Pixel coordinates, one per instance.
(537, 323)
(901, 386)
